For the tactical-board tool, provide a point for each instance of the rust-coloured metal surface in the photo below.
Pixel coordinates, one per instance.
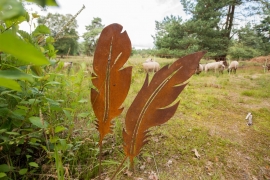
(111, 80)
(152, 105)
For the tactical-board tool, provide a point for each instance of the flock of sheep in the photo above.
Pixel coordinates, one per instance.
(217, 66)
(152, 66)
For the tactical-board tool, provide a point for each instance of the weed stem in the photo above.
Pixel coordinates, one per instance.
(155, 164)
(119, 167)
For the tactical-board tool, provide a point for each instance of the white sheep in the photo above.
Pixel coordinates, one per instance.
(215, 65)
(233, 66)
(67, 64)
(200, 68)
(151, 67)
(149, 60)
(266, 67)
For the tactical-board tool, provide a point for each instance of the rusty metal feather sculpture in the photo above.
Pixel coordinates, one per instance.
(152, 105)
(111, 80)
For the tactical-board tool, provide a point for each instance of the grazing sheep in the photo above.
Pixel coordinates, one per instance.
(151, 66)
(221, 69)
(233, 66)
(215, 65)
(67, 64)
(199, 69)
(267, 67)
(149, 60)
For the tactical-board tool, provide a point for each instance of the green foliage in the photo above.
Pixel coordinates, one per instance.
(91, 36)
(65, 35)
(27, 130)
(263, 31)
(15, 49)
(44, 3)
(250, 43)
(68, 43)
(10, 9)
(19, 49)
(240, 52)
(211, 27)
(172, 38)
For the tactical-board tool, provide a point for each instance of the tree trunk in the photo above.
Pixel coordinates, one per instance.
(228, 29)
(221, 58)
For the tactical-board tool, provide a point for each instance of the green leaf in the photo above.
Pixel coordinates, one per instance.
(15, 74)
(44, 3)
(53, 83)
(83, 115)
(37, 70)
(18, 98)
(6, 168)
(35, 15)
(33, 101)
(50, 47)
(49, 39)
(33, 164)
(67, 113)
(25, 35)
(15, 21)
(2, 28)
(37, 122)
(21, 50)
(83, 101)
(41, 30)
(54, 139)
(27, 17)
(59, 129)
(23, 171)
(10, 9)
(22, 107)
(2, 174)
(2, 130)
(13, 133)
(4, 112)
(3, 105)
(18, 114)
(9, 83)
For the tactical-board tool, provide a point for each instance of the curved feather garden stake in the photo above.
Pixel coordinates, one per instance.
(152, 105)
(111, 80)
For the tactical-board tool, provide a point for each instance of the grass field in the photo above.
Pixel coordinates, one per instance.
(207, 138)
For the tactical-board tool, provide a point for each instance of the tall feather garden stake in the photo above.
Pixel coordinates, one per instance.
(111, 80)
(153, 104)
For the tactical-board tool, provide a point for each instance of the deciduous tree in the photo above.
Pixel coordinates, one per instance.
(66, 39)
(92, 35)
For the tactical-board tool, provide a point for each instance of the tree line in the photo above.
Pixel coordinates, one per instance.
(68, 42)
(223, 29)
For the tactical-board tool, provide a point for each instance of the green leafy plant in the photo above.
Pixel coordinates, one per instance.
(27, 131)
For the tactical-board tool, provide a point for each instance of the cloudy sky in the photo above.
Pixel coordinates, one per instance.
(136, 16)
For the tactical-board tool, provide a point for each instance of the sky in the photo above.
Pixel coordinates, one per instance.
(136, 16)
